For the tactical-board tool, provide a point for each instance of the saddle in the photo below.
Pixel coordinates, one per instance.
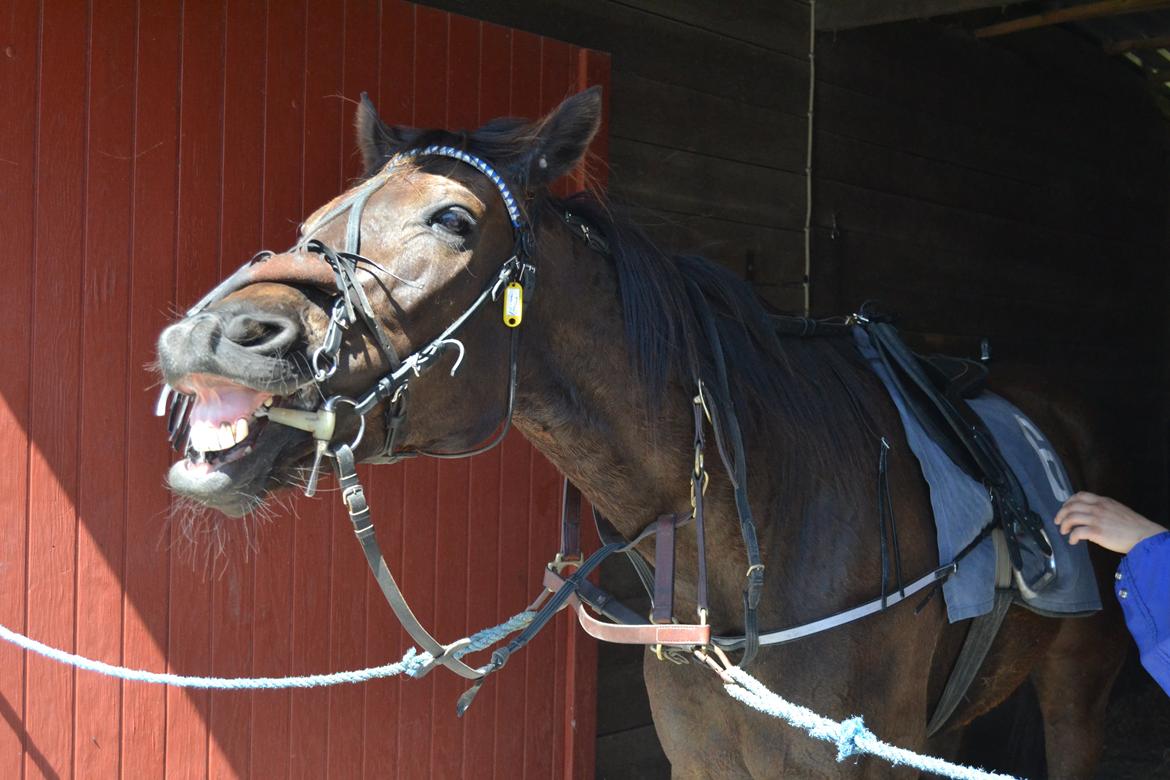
(936, 389)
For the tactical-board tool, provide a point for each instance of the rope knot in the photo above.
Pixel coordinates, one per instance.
(851, 730)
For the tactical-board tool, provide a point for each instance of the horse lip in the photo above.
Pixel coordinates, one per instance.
(190, 384)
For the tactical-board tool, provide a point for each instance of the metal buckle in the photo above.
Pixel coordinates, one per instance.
(351, 492)
(559, 562)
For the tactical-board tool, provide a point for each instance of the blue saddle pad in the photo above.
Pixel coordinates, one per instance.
(962, 507)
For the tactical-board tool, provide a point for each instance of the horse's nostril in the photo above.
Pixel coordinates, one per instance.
(269, 334)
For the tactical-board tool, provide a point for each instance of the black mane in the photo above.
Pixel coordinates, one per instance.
(778, 392)
(780, 386)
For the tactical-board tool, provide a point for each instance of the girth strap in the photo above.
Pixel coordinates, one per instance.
(980, 636)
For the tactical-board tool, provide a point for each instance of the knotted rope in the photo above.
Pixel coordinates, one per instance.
(851, 736)
(412, 664)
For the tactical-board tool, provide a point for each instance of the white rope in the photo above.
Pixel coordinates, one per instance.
(851, 736)
(413, 663)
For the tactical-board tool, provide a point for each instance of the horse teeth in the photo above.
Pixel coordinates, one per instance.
(227, 436)
(204, 438)
(241, 430)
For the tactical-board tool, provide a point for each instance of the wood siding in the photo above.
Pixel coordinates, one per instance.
(709, 133)
(147, 149)
(1012, 189)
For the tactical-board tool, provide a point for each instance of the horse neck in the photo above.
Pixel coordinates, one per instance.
(580, 401)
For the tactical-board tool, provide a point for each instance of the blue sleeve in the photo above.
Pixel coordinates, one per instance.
(1143, 589)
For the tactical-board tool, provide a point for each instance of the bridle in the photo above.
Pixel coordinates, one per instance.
(712, 407)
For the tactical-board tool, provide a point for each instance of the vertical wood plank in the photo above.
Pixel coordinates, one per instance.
(580, 716)
(19, 90)
(55, 380)
(422, 477)
(515, 455)
(146, 576)
(451, 561)
(393, 94)
(313, 564)
(525, 101)
(275, 575)
(196, 253)
(483, 606)
(349, 571)
(104, 322)
(242, 187)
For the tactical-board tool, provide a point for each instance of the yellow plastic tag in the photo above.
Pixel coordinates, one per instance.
(513, 304)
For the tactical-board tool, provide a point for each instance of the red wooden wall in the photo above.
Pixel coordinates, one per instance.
(145, 150)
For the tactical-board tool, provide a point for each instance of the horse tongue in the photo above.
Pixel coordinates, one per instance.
(221, 403)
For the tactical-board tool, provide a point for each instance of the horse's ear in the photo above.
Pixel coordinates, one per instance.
(563, 136)
(377, 140)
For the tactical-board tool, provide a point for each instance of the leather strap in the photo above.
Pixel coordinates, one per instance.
(980, 636)
(841, 618)
(725, 424)
(359, 514)
(640, 633)
(663, 609)
(698, 488)
(570, 521)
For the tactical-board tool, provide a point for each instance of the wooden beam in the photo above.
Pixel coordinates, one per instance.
(1074, 13)
(849, 14)
(1121, 47)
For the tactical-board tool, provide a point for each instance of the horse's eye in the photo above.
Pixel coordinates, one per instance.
(454, 220)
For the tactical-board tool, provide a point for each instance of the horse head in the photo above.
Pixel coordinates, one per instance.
(381, 328)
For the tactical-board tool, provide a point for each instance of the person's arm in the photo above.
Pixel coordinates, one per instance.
(1142, 581)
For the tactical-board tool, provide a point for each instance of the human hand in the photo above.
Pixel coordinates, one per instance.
(1103, 521)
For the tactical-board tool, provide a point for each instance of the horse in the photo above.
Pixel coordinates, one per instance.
(602, 382)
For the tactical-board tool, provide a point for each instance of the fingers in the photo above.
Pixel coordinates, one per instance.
(1088, 532)
(1074, 520)
(1077, 506)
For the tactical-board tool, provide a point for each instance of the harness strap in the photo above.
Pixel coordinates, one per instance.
(543, 616)
(981, 634)
(698, 489)
(725, 424)
(354, 497)
(841, 618)
(625, 630)
(663, 610)
(570, 521)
